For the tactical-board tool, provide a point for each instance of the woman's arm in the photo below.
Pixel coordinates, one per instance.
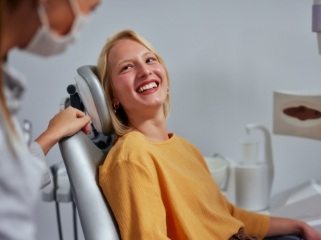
(284, 226)
(65, 123)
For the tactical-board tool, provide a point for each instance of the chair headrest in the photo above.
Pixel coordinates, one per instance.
(93, 98)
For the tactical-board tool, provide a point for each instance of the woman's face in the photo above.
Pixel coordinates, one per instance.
(139, 80)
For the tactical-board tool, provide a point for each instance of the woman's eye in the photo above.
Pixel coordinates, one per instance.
(151, 59)
(126, 67)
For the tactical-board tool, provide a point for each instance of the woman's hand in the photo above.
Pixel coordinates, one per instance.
(64, 124)
(307, 232)
(285, 226)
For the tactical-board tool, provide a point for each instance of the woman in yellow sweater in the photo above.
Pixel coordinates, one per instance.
(157, 184)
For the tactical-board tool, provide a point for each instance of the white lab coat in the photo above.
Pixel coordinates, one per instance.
(22, 172)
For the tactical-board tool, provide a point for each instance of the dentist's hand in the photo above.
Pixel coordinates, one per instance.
(64, 124)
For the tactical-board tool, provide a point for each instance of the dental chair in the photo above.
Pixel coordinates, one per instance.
(82, 154)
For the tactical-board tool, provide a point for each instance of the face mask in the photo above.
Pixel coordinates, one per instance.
(46, 43)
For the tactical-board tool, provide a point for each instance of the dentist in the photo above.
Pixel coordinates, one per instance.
(45, 28)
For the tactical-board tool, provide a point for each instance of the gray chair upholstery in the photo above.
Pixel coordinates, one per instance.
(82, 157)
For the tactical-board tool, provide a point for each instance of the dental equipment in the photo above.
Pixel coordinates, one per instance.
(298, 114)
(82, 156)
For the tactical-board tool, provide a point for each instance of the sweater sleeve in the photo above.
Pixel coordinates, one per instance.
(130, 189)
(256, 224)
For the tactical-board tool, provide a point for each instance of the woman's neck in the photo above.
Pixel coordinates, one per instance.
(154, 129)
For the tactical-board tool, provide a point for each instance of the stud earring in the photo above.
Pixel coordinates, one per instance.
(115, 106)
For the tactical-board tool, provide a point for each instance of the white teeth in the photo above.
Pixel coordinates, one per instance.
(147, 87)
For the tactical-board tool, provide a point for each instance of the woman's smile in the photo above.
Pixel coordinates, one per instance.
(147, 88)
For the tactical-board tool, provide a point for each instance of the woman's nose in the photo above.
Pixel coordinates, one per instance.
(144, 71)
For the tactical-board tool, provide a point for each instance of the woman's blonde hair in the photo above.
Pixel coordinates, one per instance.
(119, 119)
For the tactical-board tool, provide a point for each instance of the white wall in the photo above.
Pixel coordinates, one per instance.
(225, 59)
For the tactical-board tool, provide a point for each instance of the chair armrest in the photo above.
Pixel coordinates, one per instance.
(81, 158)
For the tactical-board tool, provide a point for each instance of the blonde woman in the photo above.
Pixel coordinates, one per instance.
(157, 183)
(43, 27)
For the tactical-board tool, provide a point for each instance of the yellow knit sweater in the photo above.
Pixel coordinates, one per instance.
(163, 190)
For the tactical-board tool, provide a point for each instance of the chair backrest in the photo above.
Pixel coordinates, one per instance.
(82, 158)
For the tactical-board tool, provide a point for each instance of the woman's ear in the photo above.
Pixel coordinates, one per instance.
(115, 104)
(114, 96)
(115, 100)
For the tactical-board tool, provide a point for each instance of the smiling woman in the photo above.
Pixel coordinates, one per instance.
(158, 184)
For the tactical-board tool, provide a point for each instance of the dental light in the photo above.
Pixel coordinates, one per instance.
(316, 21)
